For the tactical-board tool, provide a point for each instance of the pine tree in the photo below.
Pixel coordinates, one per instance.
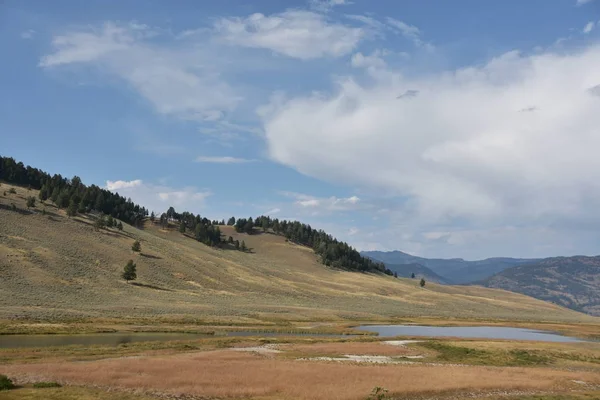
(422, 283)
(120, 226)
(136, 246)
(182, 227)
(152, 216)
(100, 222)
(237, 244)
(129, 272)
(412, 275)
(395, 274)
(110, 222)
(243, 246)
(72, 209)
(231, 221)
(230, 240)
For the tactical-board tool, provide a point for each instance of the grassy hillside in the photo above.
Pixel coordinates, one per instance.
(420, 271)
(59, 268)
(572, 282)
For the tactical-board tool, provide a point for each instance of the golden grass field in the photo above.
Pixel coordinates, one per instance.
(59, 275)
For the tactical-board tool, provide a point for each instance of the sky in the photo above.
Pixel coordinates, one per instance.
(443, 129)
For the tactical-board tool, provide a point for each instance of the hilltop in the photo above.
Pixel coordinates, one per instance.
(453, 270)
(572, 282)
(56, 267)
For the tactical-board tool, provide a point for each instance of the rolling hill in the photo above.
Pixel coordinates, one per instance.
(420, 271)
(572, 282)
(57, 268)
(454, 270)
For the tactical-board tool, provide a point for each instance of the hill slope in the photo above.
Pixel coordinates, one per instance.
(573, 282)
(420, 271)
(59, 268)
(455, 270)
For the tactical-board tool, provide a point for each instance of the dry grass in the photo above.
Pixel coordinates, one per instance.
(227, 374)
(56, 269)
(356, 348)
(67, 393)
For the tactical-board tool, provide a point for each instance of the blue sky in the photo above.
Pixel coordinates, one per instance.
(444, 129)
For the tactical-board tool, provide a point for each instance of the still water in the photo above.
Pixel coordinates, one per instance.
(471, 332)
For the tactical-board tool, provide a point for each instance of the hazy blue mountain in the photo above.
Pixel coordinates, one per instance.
(573, 282)
(453, 270)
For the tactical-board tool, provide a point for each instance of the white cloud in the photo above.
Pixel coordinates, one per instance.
(582, 2)
(294, 33)
(327, 5)
(589, 27)
(159, 198)
(318, 204)
(410, 32)
(273, 211)
(374, 60)
(353, 231)
(179, 81)
(28, 34)
(460, 150)
(117, 185)
(222, 160)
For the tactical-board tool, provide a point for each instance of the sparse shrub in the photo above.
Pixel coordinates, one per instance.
(100, 222)
(243, 246)
(129, 273)
(422, 283)
(120, 226)
(42, 385)
(182, 227)
(30, 202)
(378, 393)
(110, 222)
(12, 191)
(43, 211)
(412, 275)
(136, 246)
(230, 240)
(13, 206)
(5, 383)
(237, 244)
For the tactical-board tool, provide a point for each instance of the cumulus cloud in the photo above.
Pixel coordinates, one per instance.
(176, 81)
(294, 33)
(159, 198)
(459, 151)
(222, 160)
(374, 60)
(117, 185)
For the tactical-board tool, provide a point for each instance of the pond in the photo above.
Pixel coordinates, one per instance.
(470, 332)
(115, 339)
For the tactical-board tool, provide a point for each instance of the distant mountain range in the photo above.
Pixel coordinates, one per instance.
(573, 282)
(454, 270)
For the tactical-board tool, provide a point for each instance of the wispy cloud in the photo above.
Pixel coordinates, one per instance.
(410, 32)
(582, 2)
(175, 80)
(293, 33)
(332, 203)
(222, 160)
(589, 27)
(28, 34)
(326, 5)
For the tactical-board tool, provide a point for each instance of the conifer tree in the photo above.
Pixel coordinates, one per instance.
(136, 246)
(129, 272)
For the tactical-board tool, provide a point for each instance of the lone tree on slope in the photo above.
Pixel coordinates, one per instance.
(30, 202)
(422, 283)
(412, 275)
(129, 273)
(136, 246)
